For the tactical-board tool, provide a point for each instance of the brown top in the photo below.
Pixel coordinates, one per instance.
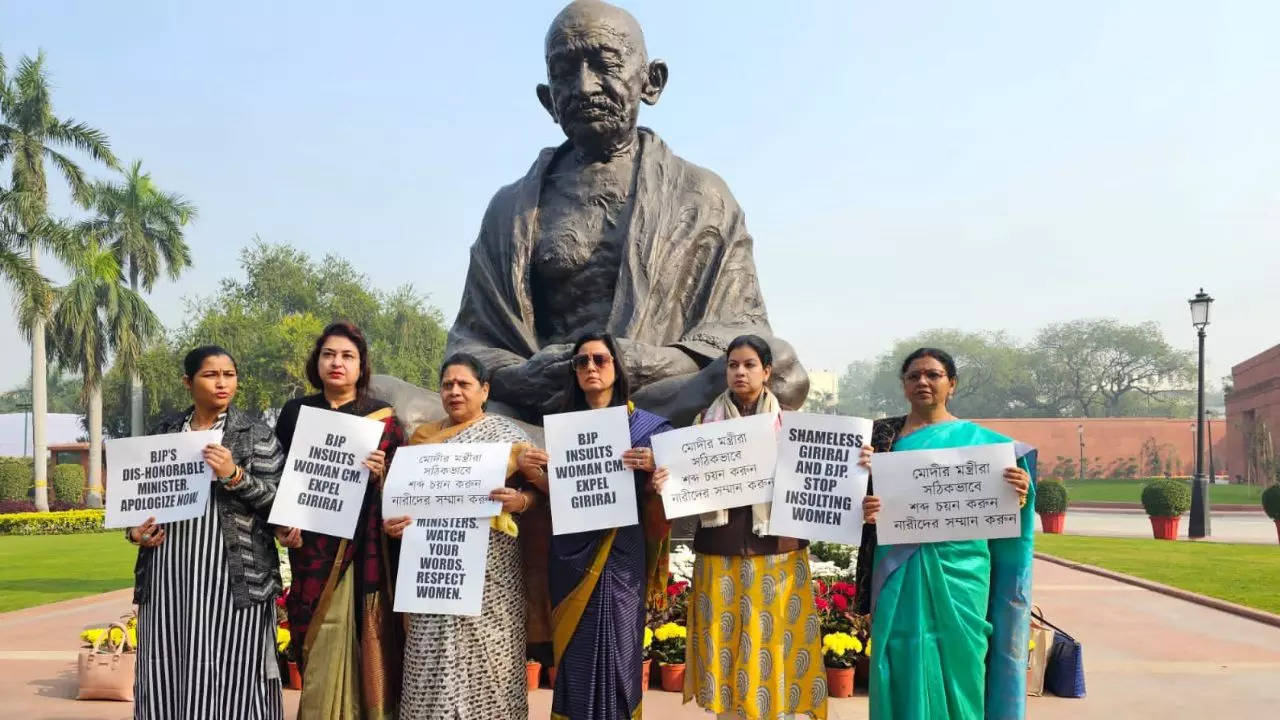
(736, 538)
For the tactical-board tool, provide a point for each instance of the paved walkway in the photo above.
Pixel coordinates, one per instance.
(1147, 656)
(1229, 527)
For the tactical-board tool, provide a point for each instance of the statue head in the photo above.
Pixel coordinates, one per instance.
(598, 73)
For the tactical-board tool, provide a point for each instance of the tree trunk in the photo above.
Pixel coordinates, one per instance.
(135, 386)
(39, 407)
(93, 498)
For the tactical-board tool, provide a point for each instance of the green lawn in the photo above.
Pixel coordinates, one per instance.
(38, 569)
(1130, 491)
(1243, 574)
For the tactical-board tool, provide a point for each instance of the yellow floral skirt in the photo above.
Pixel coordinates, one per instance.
(754, 643)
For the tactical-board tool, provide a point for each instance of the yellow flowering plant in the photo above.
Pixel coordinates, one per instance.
(283, 636)
(648, 640)
(840, 650)
(668, 644)
(91, 636)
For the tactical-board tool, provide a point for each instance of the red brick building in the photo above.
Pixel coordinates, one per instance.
(1114, 447)
(1253, 406)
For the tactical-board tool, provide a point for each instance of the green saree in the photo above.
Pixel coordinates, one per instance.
(949, 624)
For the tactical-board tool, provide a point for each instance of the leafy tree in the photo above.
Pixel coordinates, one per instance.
(94, 316)
(994, 374)
(855, 389)
(268, 317)
(144, 227)
(160, 370)
(821, 403)
(30, 132)
(1099, 368)
(64, 395)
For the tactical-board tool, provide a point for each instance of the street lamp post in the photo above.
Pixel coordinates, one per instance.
(1080, 432)
(26, 412)
(1199, 490)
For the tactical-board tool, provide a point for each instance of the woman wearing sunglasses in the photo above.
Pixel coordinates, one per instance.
(598, 578)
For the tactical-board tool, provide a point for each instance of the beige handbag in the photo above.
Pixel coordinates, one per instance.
(1038, 657)
(107, 674)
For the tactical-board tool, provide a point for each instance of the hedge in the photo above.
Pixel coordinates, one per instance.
(841, 555)
(1051, 497)
(1271, 502)
(15, 478)
(1166, 498)
(68, 483)
(67, 522)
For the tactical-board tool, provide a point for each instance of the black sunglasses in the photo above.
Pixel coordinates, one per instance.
(580, 362)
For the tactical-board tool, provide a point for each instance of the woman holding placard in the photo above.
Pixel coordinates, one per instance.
(598, 579)
(459, 666)
(950, 620)
(204, 587)
(346, 639)
(755, 645)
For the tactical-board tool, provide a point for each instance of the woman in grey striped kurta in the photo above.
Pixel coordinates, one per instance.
(205, 587)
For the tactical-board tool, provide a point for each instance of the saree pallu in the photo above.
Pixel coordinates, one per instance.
(598, 583)
(949, 624)
(340, 608)
(754, 637)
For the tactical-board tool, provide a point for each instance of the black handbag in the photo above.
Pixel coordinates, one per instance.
(1064, 670)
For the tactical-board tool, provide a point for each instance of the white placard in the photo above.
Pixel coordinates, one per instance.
(590, 489)
(445, 480)
(949, 494)
(160, 476)
(322, 486)
(819, 486)
(442, 564)
(719, 465)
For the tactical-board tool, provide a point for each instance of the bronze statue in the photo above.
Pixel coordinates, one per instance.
(612, 231)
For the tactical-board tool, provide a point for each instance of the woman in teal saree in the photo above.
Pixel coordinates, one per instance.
(949, 630)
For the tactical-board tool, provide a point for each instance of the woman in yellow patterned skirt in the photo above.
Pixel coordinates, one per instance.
(754, 636)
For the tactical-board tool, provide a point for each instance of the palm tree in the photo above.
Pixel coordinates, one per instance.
(16, 269)
(95, 315)
(144, 227)
(29, 132)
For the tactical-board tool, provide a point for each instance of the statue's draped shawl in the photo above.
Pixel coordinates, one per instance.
(687, 277)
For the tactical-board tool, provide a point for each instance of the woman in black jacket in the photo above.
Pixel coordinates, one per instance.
(205, 587)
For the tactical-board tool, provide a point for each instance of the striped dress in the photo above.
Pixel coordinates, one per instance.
(198, 656)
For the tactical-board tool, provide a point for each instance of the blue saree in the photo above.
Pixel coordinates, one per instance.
(598, 583)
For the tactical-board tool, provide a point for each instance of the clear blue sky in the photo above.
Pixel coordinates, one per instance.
(994, 164)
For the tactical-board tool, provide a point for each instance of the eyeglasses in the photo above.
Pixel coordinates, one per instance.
(930, 375)
(581, 362)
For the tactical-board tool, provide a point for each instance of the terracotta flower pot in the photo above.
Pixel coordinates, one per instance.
(1165, 528)
(551, 676)
(1052, 522)
(672, 677)
(839, 682)
(295, 676)
(532, 672)
(644, 675)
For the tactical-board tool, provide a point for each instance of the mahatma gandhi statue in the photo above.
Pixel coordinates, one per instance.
(611, 231)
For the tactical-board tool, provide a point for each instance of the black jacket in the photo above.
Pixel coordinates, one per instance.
(253, 564)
